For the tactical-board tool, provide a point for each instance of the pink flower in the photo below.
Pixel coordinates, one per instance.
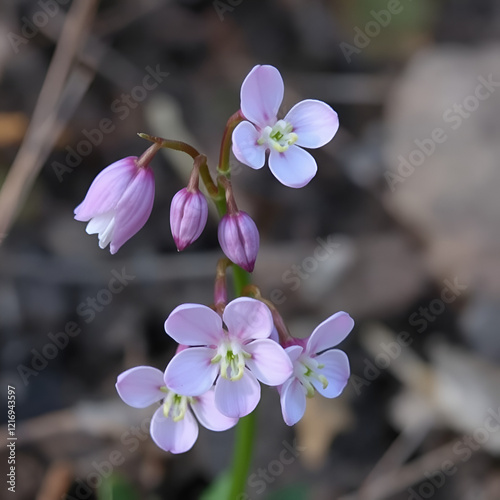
(188, 217)
(118, 202)
(316, 366)
(234, 359)
(309, 124)
(239, 239)
(173, 426)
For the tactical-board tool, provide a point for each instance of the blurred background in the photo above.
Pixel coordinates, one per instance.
(405, 207)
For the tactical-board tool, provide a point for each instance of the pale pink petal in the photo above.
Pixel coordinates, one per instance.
(195, 325)
(248, 318)
(176, 437)
(330, 333)
(269, 362)
(294, 352)
(140, 386)
(336, 370)
(190, 372)
(293, 168)
(275, 335)
(314, 122)
(208, 415)
(245, 146)
(107, 189)
(293, 401)
(134, 208)
(238, 398)
(261, 95)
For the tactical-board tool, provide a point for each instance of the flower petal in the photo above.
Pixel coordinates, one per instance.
(245, 146)
(330, 333)
(314, 122)
(194, 325)
(134, 207)
(293, 401)
(190, 372)
(269, 362)
(176, 437)
(107, 189)
(140, 386)
(208, 415)
(237, 398)
(294, 352)
(248, 318)
(293, 168)
(336, 370)
(261, 95)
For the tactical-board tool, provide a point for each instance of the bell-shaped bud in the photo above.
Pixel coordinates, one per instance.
(188, 216)
(239, 239)
(119, 200)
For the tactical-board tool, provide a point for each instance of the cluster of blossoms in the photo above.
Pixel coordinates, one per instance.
(227, 351)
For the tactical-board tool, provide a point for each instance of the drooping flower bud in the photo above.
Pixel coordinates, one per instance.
(119, 201)
(239, 239)
(188, 217)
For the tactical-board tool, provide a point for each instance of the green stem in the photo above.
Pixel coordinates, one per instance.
(245, 432)
(225, 147)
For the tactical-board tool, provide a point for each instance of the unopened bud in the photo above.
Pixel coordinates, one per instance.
(239, 239)
(188, 217)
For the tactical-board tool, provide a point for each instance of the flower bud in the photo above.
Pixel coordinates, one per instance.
(239, 239)
(119, 202)
(188, 217)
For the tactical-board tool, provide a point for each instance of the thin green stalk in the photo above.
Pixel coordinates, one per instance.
(242, 457)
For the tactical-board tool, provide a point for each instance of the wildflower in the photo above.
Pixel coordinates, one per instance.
(310, 124)
(118, 202)
(316, 366)
(234, 358)
(239, 239)
(173, 426)
(188, 217)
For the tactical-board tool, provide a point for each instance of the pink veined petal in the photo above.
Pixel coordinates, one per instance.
(293, 168)
(134, 208)
(336, 371)
(248, 319)
(194, 325)
(294, 352)
(107, 189)
(246, 149)
(261, 95)
(314, 122)
(275, 335)
(208, 415)
(330, 332)
(269, 362)
(140, 386)
(238, 398)
(190, 372)
(176, 437)
(293, 401)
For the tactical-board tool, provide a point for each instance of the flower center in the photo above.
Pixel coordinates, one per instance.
(280, 137)
(175, 405)
(231, 357)
(307, 369)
